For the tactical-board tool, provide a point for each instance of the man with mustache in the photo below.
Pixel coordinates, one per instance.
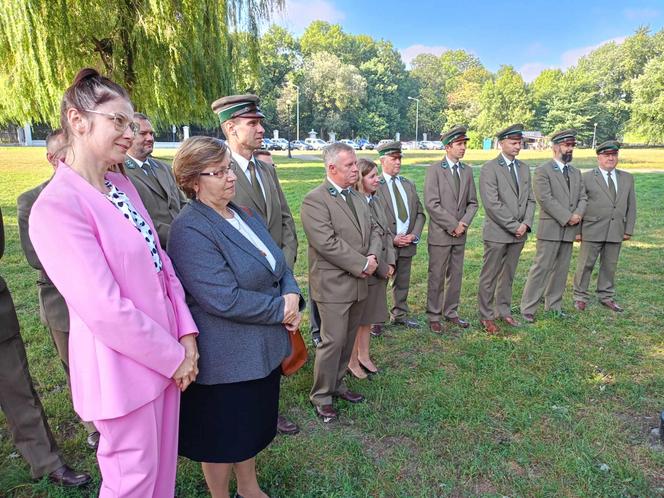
(560, 192)
(153, 179)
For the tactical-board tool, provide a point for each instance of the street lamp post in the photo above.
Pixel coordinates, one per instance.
(297, 113)
(594, 134)
(417, 115)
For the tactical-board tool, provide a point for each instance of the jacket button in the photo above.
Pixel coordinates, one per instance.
(275, 285)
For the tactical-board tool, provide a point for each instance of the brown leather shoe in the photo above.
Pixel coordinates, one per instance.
(528, 317)
(458, 321)
(92, 441)
(436, 327)
(326, 413)
(376, 330)
(286, 427)
(489, 326)
(509, 320)
(612, 305)
(351, 397)
(69, 478)
(580, 305)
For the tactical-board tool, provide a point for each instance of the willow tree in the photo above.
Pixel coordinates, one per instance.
(173, 56)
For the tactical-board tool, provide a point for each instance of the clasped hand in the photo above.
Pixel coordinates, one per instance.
(188, 369)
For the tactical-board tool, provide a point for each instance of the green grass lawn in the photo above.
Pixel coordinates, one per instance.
(558, 408)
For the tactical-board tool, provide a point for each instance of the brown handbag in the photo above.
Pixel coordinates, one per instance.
(299, 355)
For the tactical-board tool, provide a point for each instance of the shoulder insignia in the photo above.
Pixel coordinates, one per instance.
(382, 180)
(333, 191)
(129, 164)
(501, 161)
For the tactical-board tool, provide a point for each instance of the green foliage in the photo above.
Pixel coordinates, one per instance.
(174, 57)
(504, 101)
(648, 103)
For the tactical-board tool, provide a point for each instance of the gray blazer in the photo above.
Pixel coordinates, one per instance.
(232, 292)
(606, 220)
(505, 210)
(557, 202)
(53, 310)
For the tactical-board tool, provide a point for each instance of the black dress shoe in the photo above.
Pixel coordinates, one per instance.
(69, 478)
(326, 413)
(351, 397)
(612, 305)
(286, 427)
(92, 441)
(406, 322)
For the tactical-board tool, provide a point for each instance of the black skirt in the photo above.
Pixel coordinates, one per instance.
(229, 423)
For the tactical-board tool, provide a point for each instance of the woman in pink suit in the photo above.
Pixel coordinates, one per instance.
(132, 339)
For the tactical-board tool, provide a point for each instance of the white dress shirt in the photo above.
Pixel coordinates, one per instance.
(516, 169)
(402, 226)
(244, 166)
(614, 177)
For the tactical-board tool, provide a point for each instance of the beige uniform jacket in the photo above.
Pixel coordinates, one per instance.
(416, 218)
(53, 310)
(338, 244)
(606, 220)
(278, 218)
(505, 210)
(445, 208)
(160, 195)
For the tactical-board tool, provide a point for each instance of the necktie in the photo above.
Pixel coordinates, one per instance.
(346, 193)
(612, 186)
(512, 167)
(147, 168)
(257, 187)
(457, 179)
(566, 175)
(401, 206)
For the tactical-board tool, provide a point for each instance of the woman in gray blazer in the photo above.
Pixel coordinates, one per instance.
(244, 299)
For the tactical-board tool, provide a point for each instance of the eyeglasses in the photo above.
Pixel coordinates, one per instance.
(120, 121)
(220, 173)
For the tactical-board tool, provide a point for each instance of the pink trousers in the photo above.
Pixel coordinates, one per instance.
(138, 452)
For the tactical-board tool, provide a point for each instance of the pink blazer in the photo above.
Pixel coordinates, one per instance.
(122, 350)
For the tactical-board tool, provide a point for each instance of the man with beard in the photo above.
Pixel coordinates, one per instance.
(257, 186)
(510, 208)
(153, 179)
(609, 220)
(343, 244)
(451, 201)
(560, 192)
(398, 198)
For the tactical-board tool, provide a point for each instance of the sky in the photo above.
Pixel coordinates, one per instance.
(531, 36)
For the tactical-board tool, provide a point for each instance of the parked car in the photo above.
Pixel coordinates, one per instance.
(300, 145)
(438, 144)
(281, 141)
(271, 145)
(350, 143)
(365, 144)
(316, 143)
(413, 145)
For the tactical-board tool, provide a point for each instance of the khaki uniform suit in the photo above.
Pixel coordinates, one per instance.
(278, 217)
(338, 248)
(548, 274)
(505, 211)
(159, 193)
(52, 306)
(602, 230)
(446, 209)
(404, 255)
(18, 399)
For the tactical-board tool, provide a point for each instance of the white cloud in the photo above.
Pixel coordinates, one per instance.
(531, 70)
(409, 53)
(641, 14)
(298, 14)
(572, 56)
